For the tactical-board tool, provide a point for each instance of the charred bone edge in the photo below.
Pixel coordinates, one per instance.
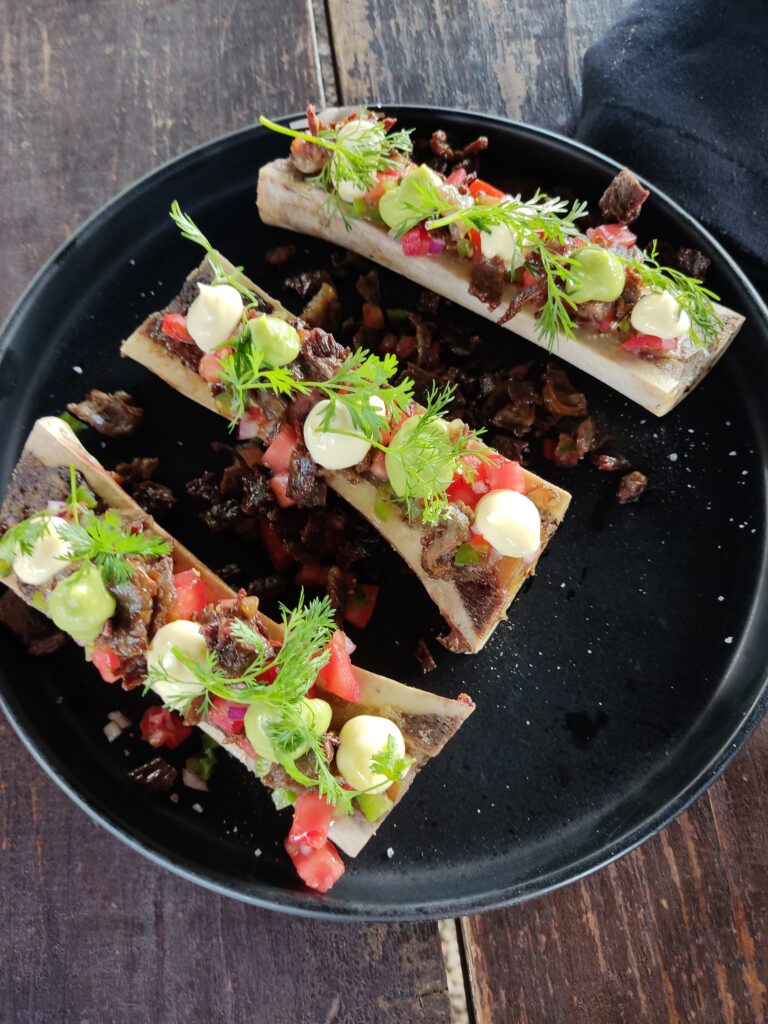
(284, 199)
(428, 720)
(465, 637)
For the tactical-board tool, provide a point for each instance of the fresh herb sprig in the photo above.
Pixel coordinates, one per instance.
(307, 631)
(192, 232)
(390, 763)
(356, 158)
(697, 300)
(104, 540)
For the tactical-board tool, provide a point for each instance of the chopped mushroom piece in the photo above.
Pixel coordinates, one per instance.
(112, 414)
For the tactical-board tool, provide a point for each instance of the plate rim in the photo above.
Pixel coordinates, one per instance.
(303, 904)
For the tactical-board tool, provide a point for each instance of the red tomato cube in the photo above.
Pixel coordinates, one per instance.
(318, 869)
(219, 715)
(277, 457)
(338, 676)
(191, 593)
(175, 326)
(312, 816)
(506, 476)
(161, 727)
(107, 662)
(648, 343)
(610, 235)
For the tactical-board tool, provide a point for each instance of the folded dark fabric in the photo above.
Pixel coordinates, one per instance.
(679, 93)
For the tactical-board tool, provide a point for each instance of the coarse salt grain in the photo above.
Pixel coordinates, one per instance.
(390, 852)
(729, 639)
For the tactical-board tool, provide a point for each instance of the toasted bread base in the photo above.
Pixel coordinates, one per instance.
(466, 636)
(427, 720)
(286, 200)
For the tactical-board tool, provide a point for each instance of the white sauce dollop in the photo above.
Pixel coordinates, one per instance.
(45, 559)
(510, 522)
(336, 450)
(187, 637)
(359, 740)
(660, 314)
(501, 242)
(214, 315)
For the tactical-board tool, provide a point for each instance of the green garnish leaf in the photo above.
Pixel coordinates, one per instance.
(390, 763)
(109, 543)
(22, 538)
(357, 158)
(75, 425)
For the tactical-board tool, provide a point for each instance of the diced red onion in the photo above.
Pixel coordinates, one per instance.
(192, 781)
(247, 428)
(112, 730)
(351, 648)
(236, 712)
(119, 719)
(436, 246)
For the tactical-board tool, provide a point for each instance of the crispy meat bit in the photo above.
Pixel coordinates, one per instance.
(112, 414)
(424, 657)
(153, 497)
(446, 158)
(631, 487)
(535, 294)
(623, 198)
(156, 776)
(440, 543)
(488, 279)
(559, 395)
(322, 354)
(304, 486)
(308, 157)
(135, 471)
(280, 254)
(323, 309)
(35, 630)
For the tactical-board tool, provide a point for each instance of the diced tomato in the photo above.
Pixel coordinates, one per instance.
(312, 816)
(277, 457)
(417, 241)
(373, 316)
(312, 574)
(279, 555)
(527, 279)
(504, 474)
(548, 448)
(175, 326)
(460, 490)
(480, 544)
(161, 727)
(610, 235)
(478, 186)
(253, 424)
(360, 604)
(384, 180)
(474, 237)
(338, 676)
(107, 662)
(209, 367)
(191, 594)
(219, 716)
(457, 177)
(318, 869)
(648, 343)
(279, 487)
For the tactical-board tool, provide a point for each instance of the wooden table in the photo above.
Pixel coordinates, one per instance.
(95, 94)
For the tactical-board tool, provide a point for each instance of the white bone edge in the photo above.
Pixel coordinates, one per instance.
(465, 636)
(428, 720)
(285, 200)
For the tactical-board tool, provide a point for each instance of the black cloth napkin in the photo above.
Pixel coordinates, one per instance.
(678, 91)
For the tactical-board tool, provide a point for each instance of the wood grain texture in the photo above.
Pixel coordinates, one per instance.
(94, 95)
(521, 59)
(676, 932)
(92, 933)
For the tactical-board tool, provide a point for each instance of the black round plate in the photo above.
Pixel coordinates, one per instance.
(628, 674)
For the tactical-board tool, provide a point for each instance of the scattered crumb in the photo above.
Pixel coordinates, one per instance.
(257, 853)
(119, 719)
(198, 808)
(720, 597)
(77, 369)
(390, 852)
(672, 456)
(174, 798)
(112, 730)
(729, 639)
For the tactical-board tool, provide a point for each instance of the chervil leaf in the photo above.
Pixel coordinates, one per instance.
(390, 763)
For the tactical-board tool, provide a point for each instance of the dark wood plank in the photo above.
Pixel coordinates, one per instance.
(90, 931)
(675, 932)
(92, 96)
(522, 59)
